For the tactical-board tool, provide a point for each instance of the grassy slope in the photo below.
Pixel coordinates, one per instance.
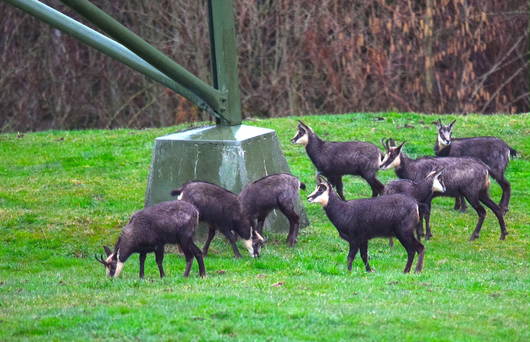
(64, 194)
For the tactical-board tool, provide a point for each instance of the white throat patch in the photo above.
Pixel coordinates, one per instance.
(436, 185)
(248, 246)
(180, 196)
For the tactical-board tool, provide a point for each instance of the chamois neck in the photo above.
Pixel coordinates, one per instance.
(313, 147)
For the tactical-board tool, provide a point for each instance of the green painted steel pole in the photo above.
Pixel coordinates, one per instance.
(106, 46)
(224, 55)
(215, 98)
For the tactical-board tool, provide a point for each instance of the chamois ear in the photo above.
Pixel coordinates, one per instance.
(108, 251)
(438, 123)
(452, 123)
(391, 142)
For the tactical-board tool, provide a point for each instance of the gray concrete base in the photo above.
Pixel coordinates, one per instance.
(230, 156)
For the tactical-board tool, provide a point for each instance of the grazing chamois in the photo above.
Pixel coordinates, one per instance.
(422, 191)
(467, 177)
(277, 191)
(336, 159)
(149, 230)
(493, 151)
(358, 221)
(222, 211)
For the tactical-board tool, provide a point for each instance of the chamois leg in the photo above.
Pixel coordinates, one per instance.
(390, 242)
(188, 254)
(287, 208)
(232, 240)
(427, 216)
(142, 262)
(376, 185)
(198, 256)
(336, 182)
(408, 241)
(364, 255)
(506, 192)
(159, 256)
(351, 255)
(481, 212)
(421, 252)
(211, 234)
(460, 204)
(484, 198)
(261, 222)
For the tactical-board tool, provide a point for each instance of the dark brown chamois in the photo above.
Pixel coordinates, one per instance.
(467, 177)
(278, 191)
(149, 230)
(422, 191)
(358, 221)
(492, 151)
(336, 159)
(222, 211)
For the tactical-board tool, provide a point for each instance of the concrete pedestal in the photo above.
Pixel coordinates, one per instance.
(230, 156)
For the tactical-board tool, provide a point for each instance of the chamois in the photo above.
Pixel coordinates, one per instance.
(467, 177)
(222, 210)
(358, 221)
(493, 151)
(335, 159)
(422, 191)
(149, 230)
(277, 191)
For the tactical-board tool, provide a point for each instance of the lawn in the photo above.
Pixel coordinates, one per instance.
(63, 194)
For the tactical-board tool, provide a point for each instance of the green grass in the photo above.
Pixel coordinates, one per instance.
(63, 194)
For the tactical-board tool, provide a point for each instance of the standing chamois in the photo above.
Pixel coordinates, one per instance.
(422, 191)
(335, 159)
(467, 177)
(222, 211)
(493, 151)
(149, 230)
(358, 221)
(277, 191)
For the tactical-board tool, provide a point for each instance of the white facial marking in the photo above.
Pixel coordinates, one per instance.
(119, 267)
(303, 140)
(436, 185)
(180, 196)
(385, 158)
(248, 246)
(323, 198)
(442, 142)
(395, 163)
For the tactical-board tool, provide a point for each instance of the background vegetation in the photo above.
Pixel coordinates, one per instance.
(63, 194)
(295, 58)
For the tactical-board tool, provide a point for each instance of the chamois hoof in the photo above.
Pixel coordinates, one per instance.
(503, 236)
(428, 236)
(473, 237)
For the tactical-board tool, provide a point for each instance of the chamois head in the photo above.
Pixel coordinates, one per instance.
(112, 265)
(302, 135)
(257, 242)
(321, 193)
(392, 157)
(444, 133)
(437, 183)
